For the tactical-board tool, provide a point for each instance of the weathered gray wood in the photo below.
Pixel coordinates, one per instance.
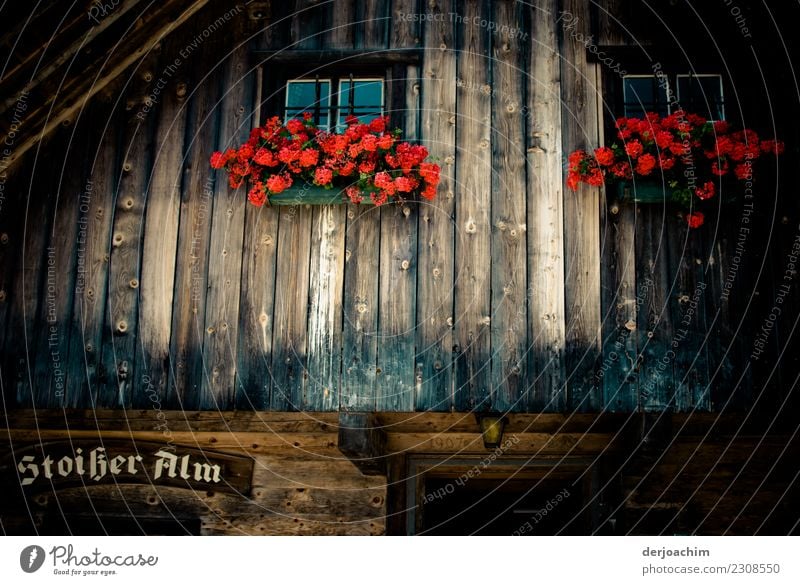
(544, 296)
(373, 16)
(51, 382)
(688, 303)
(327, 268)
(473, 188)
(434, 379)
(15, 183)
(396, 382)
(124, 272)
(220, 344)
(655, 325)
(397, 308)
(290, 329)
(254, 347)
(622, 295)
(325, 309)
(152, 386)
(27, 300)
(581, 217)
(509, 325)
(360, 309)
(191, 268)
(304, 57)
(87, 375)
(363, 441)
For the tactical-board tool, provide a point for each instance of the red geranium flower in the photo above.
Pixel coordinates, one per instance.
(696, 219)
(706, 191)
(634, 148)
(604, 156)
(323, 176)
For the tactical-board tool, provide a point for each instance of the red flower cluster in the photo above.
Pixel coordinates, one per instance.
(689, 152)
(365, 160)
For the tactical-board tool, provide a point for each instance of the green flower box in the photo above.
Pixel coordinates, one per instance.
(644, 191)
(307, 194)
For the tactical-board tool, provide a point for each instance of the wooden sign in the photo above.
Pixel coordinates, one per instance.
(63, 464)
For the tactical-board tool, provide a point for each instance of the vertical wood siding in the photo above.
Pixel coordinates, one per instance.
(505, 292)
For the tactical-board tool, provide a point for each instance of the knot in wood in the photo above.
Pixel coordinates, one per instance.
(122, 326)
(3, 238)
(134, 283)
(118, 238)
(361, 307)
(437, 273)
(630, 325)
(405, 264)
(470, 228)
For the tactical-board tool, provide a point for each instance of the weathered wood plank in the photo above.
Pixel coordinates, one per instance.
(28, 303)
(52, 366)
(220, 345)
(151, 387)
(473, 164)
(306, 30)
(395, 372)
(655, 323)
(86, 373)
(622, 295)
(327, 268)
(509, 319)
(546, 379)
(191, 267)
(290, 329)
(340, 25)
(688, 303)
(373, 17)
(581, 217)
(434, 332)
(360, 309)
(124, 270)
(397, 307)
(13, 194)
(254, 347)
(325, 309)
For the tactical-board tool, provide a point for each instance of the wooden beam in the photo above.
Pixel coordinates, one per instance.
(363, 442)
(15, 78)
(396, 56)
(76, 98)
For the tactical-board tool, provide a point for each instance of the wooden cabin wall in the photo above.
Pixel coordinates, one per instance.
(133, 276)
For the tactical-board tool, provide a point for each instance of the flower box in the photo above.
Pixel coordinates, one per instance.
(298, 163)
(644, 191)
(308, 194)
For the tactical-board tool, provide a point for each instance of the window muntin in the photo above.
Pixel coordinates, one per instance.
(702, 94)
(360, 96)
(644, 93)
(309, 95)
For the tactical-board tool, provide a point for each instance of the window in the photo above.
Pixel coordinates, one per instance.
(700, 94)
(358, 96)
(644, 93)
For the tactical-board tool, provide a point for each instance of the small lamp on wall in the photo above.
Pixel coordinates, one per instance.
(492, 425)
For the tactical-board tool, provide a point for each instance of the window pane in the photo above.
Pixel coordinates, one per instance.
(702, 94)
(644, 94)
(301, 96)
(365, 100)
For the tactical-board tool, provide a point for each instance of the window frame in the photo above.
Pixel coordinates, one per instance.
(720, 105)
(274, 86)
